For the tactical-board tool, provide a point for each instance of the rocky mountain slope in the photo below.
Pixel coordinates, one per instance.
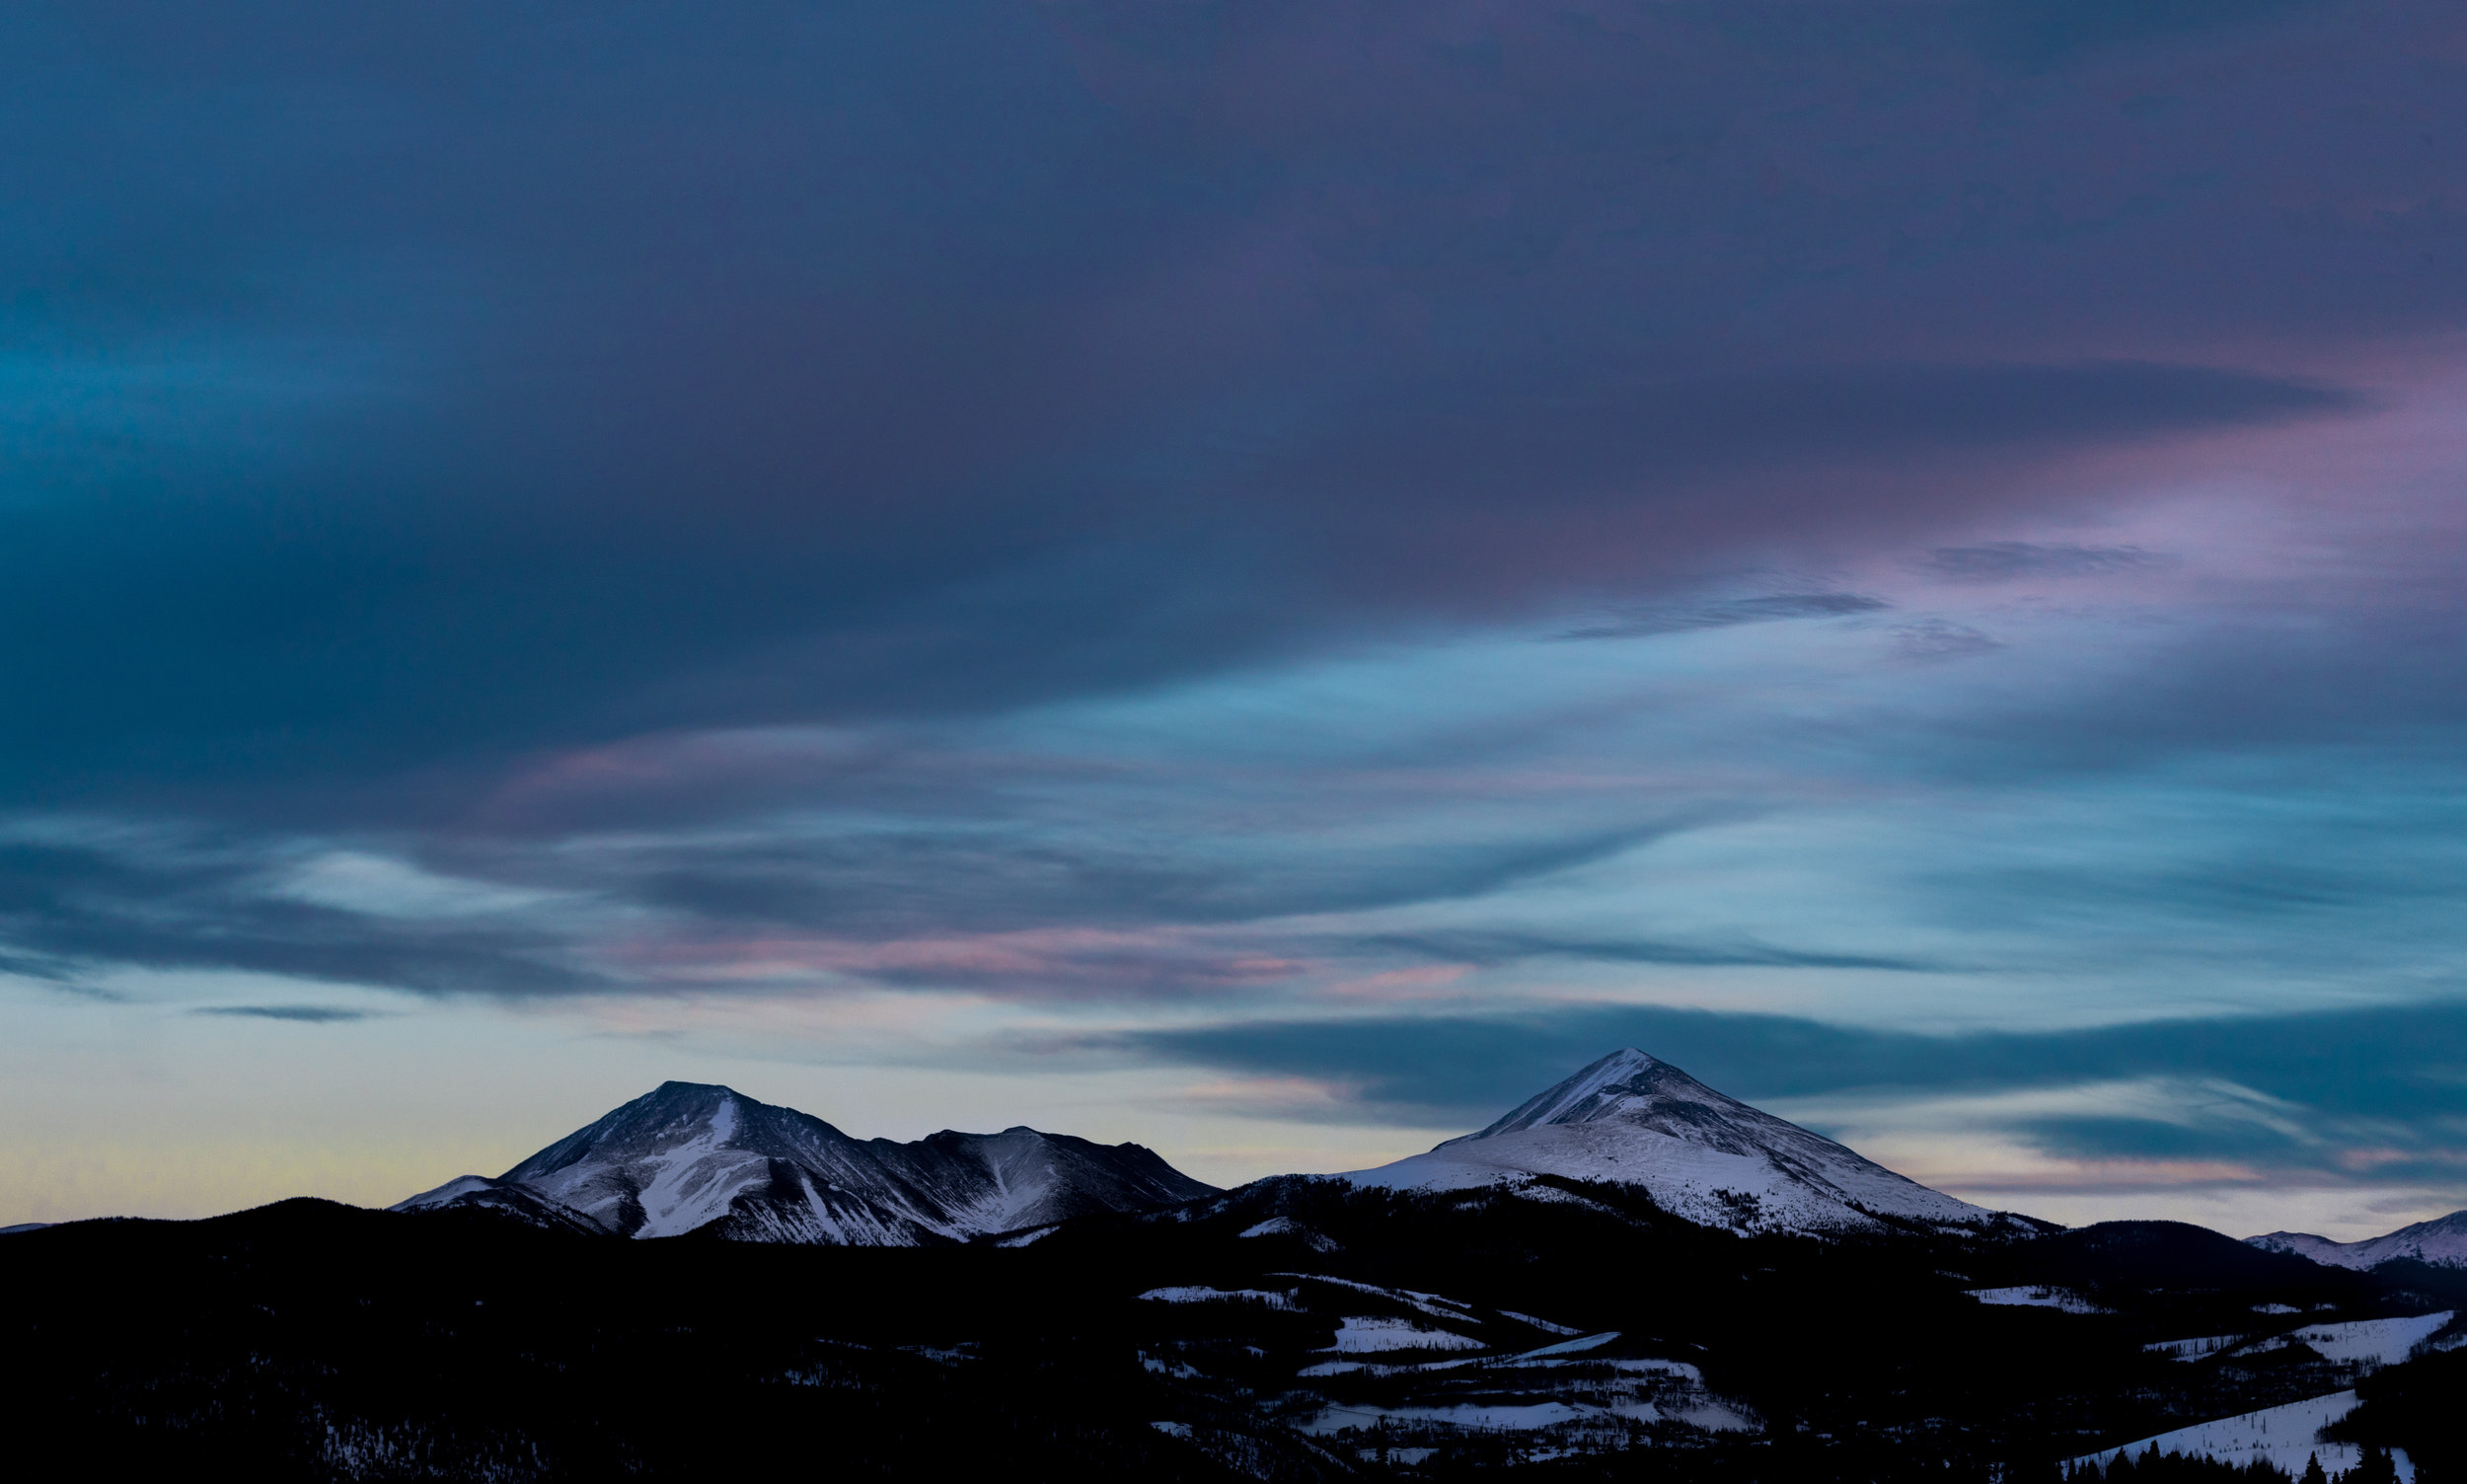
(1634, 1120)
(694, 1157)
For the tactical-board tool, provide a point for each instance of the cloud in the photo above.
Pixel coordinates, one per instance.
(2008, 561)
(1640, 623)
(1493, 948)
(1043, 351)
(78, 909)
(929, 881)
(307, 1015)
(1930, 641)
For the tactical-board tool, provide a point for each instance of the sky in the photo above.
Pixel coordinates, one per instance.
(1262, 578)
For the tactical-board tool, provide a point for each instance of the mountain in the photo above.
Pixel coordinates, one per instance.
(694, 1157)
(2440, 1243)
(1632, 1119)
(2149, 1256)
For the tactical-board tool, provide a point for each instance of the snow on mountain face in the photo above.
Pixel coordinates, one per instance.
(2441, 1242)
(1714, 1159)
(690, 1156)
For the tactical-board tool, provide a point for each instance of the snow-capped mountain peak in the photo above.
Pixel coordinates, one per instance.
(1627, 1083)
(2441, 1242)
(1634, 1119)
(692, 1156)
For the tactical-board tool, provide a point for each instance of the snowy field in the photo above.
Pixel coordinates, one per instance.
(2284, 1435)
(1543, 1355)
(1519, 1418)
(1436, 1305)
(2378, 1342)
(2194, 1350)
(2350, 1341)
(2039, 1296)
(1357, 1335)
(1200, 1294)
(1529, 1416)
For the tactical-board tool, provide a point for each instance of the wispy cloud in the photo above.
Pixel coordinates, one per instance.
(158, 901)
(2008, 561)
(307, 1015)
(1474, 947)
(1684, 619)
(1933, 640)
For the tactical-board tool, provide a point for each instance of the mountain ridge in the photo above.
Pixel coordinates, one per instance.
(704, 1158)
(2441, 1242)
(1631, 1118)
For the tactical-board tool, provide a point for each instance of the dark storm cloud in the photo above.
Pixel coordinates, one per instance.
(461, 380)
(2391, 1079)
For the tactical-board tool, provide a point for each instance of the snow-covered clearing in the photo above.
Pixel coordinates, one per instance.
(1521, 1419)
(1564, 1347)
(2039, 1296)
(1700, 1411)
(2196, 1348)
(1357, 1335)
(2282, 1436)
(1197, 1293)
(1436, 1305)
(2374, 1342)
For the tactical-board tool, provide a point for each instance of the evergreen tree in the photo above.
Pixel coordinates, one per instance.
(2312, 1471)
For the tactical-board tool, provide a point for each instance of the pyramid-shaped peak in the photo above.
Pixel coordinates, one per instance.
(1633, 1119)
(1605, 1088)
(675, 1090)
